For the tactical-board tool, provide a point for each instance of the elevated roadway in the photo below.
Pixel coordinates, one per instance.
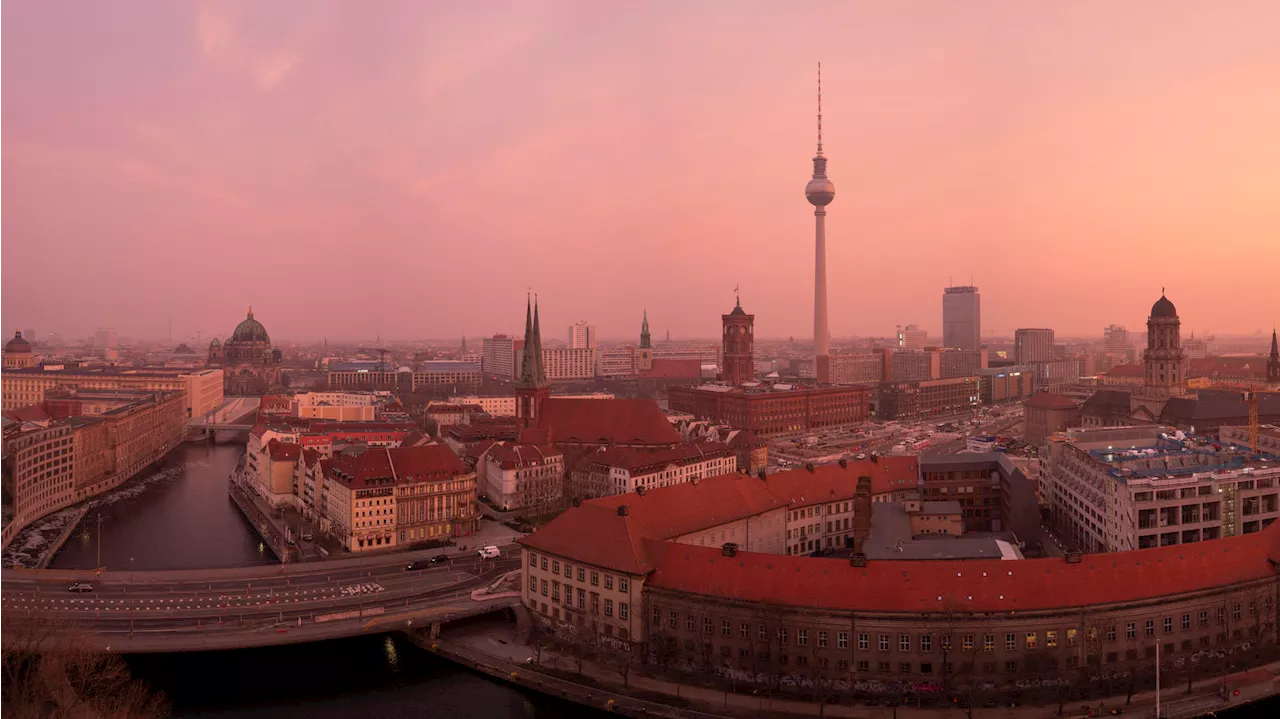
(196, 610)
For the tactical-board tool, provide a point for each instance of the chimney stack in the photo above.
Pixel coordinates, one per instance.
(729, 549)
(622, 510)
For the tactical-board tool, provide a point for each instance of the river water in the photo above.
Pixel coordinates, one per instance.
(176, 516)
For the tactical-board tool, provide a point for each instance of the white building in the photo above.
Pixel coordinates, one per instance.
(1123, 488)
(582, 336)
(498, 356)
(622, 470)
(341, 406)
(505, 405)
(524, 476)
(566, 364)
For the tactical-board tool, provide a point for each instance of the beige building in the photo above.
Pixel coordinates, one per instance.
(40, 465)
(338, 406)
(17, 353)
(566, 364)
(1118, 489)
(623, 470)
(505, 405)
(204, 392)
(1045, 414)
(526, 477)
(25, 387)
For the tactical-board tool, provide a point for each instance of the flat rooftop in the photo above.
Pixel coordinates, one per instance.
(891, 538)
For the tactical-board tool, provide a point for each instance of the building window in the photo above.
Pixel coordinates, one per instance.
(595, 579)
(1221, 616)
(989, 643)
(1186, 622)
(904, 642)
(1151, 627)
(688, 623)
(884, 642)
(822, 639)
(1050, 639)
(802, 637)
(657, 617)
(745, 630)
(725, 629)
(842, 640)
(533, 560)
(582, 574)
(782, 636)
(1235, 612)
(533, 584)
(544, 564)
(1072, 636)
(1168, 624)
(864, 643)
(1010, 642)
(544, 587)
(555, 567)
(623, 612)
(706, 626)
(608, 581)
(608, 607)
(763, 634)
(624, 586)
(1204, 618)
(673, 620)
(1130, 631)
(926, 642)
(568, 571)
(966, 642)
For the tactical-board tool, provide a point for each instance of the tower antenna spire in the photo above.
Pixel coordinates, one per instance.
(819, 107)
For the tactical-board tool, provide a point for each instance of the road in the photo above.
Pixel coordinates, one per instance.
(173, 611)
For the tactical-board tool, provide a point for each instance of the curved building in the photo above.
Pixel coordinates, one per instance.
(697, 572)
(250, 364)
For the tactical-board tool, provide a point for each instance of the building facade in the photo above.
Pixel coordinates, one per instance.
(775, 411)
(930, 398)
(857, 368)
(433, 374)
(526, 477)
(912, 338)
(249, 362)
(582, 336)
(1033, 345)
(498, 357)
(620, 471)
(1046, 414)
(962, 318)
(17, 353)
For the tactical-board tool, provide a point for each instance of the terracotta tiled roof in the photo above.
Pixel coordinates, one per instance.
(533, 435)
(680, 509)
(830, 482)
(32, 413)
(594, 534)
(427, 462)
(674, 369)
(1049, 400)
(477, 451)
(284, 451)
(399, 465)
(1127, 370)
(604, 421)
(974, 585)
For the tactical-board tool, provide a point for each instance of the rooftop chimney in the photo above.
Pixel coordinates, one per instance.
(1074, 557)
(808, 466)
(858, 560)
(729, 549)
(622, 510)
(640, 490)
(843, 463)
(760, 474)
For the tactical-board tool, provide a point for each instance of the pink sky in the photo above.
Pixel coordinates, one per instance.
(410, 168)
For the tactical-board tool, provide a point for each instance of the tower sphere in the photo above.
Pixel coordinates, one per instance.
(820, 191)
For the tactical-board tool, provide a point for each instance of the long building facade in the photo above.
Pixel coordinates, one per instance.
(699, 575)
(774, 412)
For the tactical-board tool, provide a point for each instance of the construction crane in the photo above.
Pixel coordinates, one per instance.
(1251, 399)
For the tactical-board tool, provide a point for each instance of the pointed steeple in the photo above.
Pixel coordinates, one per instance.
(540, 374)
(644, 331)
(528, 372)
(1273, 362)
(1275, 347)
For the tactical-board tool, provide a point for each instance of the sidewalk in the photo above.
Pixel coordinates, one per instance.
(499, 644)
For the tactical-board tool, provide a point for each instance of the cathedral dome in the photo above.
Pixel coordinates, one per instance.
(250, 330)
(1164, 308)
(17, 345)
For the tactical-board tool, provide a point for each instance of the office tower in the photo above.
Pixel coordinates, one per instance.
(582, 336)
(1033, 345)
(962, 318)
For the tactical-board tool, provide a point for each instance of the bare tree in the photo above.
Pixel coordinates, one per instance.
(623, 661)
(48, 669)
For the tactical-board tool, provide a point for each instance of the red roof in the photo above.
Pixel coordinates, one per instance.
(533, 435)
(30, 413)
(971, 585)
(478, 450)
(680, 509)
(1050, 400)
(284, 451)
(606, 421)
(594, 534)
(1127, 370)
(396, 465)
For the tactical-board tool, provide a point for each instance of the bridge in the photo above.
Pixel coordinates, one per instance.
(200, 610)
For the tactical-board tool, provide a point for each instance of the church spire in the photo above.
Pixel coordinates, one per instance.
(644, 331)
(540, 374)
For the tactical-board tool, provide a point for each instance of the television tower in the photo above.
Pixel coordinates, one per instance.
(820, 192)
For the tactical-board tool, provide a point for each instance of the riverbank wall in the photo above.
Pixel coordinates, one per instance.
(497, 654)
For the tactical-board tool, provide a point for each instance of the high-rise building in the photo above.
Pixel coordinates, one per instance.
(498, 356)
(1115, 339)
(582, 336)
(962, 318)
(820, 192)
(1033, 345)
(912, 338)
(106, 337)
(739, 346)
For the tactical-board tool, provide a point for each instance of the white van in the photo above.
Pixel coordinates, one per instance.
(489, 552)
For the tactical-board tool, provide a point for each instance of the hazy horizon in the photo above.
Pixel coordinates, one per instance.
(409, 172)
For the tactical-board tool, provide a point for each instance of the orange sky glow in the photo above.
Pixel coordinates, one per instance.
(408, 169)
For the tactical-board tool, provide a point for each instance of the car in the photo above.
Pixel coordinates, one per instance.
(489, 552)
(418, 564)
(80, 587)
(307, 536)
(439, 559)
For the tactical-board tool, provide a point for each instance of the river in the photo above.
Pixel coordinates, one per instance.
(175, 516)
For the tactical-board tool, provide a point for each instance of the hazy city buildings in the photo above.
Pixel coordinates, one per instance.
(17, 353)
(1047, 413)
(524, 476)
(912, 400)
(1033, 345)
(779, 410)
(582, 336)
(498, 358)
(249, 362)
(1115, 340)
(962, 318)
(621, 471)
(912, 337)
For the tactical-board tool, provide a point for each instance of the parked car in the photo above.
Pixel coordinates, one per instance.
(80, 587)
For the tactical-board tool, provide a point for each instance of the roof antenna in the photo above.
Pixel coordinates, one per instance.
(819, 107)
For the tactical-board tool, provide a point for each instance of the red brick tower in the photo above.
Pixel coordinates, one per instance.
(739, 346)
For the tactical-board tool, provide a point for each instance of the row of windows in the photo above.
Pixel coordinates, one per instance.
(624, 584)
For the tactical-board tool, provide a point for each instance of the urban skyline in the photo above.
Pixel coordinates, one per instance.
(1142, 166)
